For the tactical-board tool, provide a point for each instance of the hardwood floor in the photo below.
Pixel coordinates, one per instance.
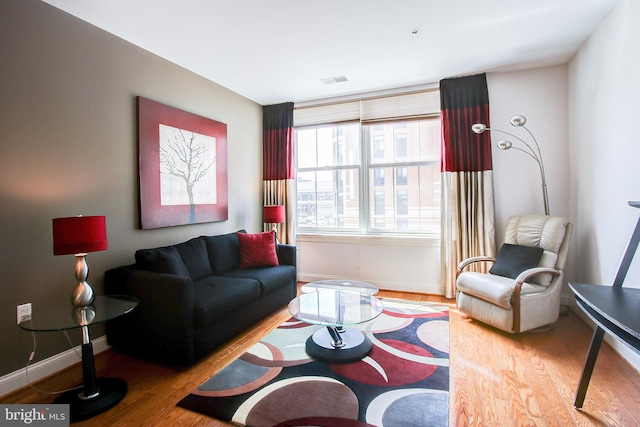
(497, 379)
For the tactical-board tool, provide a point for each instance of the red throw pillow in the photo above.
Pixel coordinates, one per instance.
(258, 250)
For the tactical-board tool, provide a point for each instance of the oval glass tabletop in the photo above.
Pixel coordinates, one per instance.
(332, 307)
(64, 316)
(355, 285)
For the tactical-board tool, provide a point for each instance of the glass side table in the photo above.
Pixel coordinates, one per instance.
(97, 394)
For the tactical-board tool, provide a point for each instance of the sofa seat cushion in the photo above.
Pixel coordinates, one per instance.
(494, 289)
(215, 297)
(270, 278)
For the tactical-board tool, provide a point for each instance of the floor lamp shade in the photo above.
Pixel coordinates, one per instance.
(273, 214)
(78, 235)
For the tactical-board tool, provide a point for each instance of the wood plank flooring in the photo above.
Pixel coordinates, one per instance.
(497, 379)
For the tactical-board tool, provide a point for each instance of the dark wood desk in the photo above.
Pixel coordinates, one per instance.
(614, 309)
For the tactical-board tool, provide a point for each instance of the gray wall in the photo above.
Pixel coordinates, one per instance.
(68, 146)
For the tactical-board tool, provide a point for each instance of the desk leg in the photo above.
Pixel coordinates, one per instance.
(594, 348)
(97, 395)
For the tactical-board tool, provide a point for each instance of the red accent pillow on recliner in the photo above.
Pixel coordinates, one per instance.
(258, 250)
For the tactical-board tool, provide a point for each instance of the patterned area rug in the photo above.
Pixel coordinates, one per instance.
(403, 382)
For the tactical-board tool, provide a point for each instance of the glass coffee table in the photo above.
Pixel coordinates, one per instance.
(336, 309)
(355, 285)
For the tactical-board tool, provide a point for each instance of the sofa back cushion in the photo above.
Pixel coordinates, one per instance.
(224, 252)
(161, 260)
(194, 255)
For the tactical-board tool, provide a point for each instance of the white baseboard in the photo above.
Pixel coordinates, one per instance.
(18, 379)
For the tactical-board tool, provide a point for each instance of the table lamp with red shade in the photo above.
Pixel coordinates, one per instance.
(273, 214)
(79, 235)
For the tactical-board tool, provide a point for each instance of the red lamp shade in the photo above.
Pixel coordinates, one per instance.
(79, 234)
(274, 214)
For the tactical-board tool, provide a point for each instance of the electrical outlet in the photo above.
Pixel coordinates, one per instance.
(24, 312)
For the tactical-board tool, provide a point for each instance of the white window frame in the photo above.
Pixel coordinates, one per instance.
(395, 108)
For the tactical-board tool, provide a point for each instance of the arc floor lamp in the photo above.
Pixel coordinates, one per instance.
(535, 154)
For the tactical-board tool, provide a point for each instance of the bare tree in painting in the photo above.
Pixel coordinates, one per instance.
(184, 157)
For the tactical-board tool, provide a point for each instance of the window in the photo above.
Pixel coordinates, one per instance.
(327, 180)
(361, 173)
(378, 146)
(401, 176)
(401, 145)
(402, 202)
(413, 195)
(378, 203)
(378, 177)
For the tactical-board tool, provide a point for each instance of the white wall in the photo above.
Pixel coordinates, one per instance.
(605, 143)
(604, 113)
(404, 264)
(541, 95)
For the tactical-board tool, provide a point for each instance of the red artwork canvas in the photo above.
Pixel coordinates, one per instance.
(183, 167)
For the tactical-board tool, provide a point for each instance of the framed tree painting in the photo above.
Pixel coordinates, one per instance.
(183, 167)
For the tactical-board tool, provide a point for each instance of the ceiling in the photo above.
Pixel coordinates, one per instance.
(273, 51)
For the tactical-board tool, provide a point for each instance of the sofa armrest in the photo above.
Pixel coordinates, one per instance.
(162, 323)
(287, 254)
(160, 295)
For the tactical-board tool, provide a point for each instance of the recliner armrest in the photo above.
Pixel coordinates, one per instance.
(287, 254)
(469, 261)
(527, 274)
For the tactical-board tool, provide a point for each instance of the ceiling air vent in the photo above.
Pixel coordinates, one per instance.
(332, 80)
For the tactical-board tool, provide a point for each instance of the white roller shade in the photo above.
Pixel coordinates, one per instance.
(391, 107)
(405, 106)
(330, 113)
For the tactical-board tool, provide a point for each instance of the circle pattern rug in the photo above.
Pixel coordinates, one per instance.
(404, 381)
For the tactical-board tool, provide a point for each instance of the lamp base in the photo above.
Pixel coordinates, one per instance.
(82, 295)
(110, 392)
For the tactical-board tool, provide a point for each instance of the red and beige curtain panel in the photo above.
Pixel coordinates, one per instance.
(278, 164)
(468, 227)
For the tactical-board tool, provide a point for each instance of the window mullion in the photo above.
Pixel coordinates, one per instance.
(365, 198)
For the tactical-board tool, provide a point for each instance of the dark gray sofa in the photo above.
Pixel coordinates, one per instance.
(193, 297)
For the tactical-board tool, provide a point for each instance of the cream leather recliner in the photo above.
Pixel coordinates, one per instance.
(531, 298)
